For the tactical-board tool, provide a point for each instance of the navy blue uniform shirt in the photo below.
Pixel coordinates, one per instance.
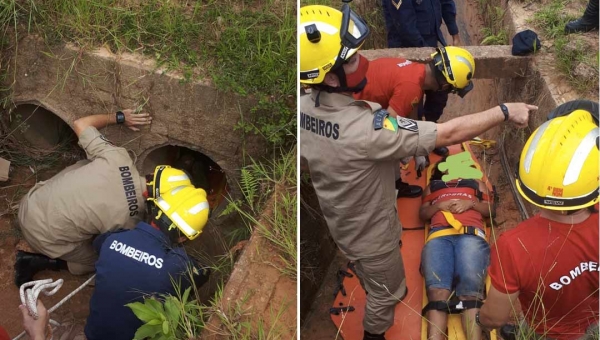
(416, 23)
(132, 263)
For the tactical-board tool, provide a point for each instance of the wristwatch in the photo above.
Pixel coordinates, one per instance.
(505, 111)
(477, 320)
(120, 117)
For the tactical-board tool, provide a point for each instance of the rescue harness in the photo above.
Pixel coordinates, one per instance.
(457, 227)
(452, 306)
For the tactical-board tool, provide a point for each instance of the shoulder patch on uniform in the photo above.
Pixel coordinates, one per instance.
(407, 124)
(378, 118)
(391, 124)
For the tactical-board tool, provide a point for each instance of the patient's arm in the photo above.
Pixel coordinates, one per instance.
(483, 207)
(427, 209)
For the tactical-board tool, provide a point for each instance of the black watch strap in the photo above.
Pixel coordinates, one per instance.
(505, 111)
(120, 117)
(477, 320)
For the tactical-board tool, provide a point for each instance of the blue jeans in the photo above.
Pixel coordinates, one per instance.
(458, 261)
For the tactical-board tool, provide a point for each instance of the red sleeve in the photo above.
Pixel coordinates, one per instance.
(503, 270)
(406, 96)
(4, 334)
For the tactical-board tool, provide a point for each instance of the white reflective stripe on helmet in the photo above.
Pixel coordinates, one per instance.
(178, 178)
(580, 156)
(466, 62)
(533, 146)
(163, 204)
(176, 190)
(183, 225)
(198, 208)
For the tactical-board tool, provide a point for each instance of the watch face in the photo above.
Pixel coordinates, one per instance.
(120, 117)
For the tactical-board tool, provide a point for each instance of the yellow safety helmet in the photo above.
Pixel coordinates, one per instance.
(558, 168)
(457, 66)
(328, 38)
(184, 207)
(164, 179)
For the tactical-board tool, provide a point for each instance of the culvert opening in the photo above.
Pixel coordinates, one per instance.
(40, 128)
(204, 172)
(39, 140)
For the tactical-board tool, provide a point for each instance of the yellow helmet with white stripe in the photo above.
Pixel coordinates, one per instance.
(164, 179)
(327, 37)
(185, 208)
(558, 168)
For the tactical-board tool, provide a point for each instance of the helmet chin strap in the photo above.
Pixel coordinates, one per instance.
(341, 74)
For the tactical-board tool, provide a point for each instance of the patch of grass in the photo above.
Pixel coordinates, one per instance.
(273, 183)
(494, 33)
(574, 57)
(491, 38)
(552, 18)
(182, 316)
(235, 320)
(577, 63)
(244, 48)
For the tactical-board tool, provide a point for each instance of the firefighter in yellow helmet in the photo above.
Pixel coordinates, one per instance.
(550, 261)
(59, 217)
(399, 85)
(146, 260)
(351, 148)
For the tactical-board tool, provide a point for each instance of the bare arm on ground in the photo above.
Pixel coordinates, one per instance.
(102, 120)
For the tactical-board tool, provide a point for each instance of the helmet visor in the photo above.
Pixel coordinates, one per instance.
(353, 32)
(463, 92)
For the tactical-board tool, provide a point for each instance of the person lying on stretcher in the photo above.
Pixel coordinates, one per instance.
(456, 253)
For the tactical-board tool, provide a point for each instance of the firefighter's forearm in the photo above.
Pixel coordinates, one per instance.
(463, 128)
(98, 121)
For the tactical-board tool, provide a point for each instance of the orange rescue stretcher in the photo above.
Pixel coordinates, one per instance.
(409, 324)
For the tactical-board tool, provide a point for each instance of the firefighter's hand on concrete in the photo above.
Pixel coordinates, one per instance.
(421, 162)
(36, 329)
(518, 113)
(133, 119)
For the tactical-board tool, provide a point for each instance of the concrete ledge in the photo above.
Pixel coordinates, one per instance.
(491, 61)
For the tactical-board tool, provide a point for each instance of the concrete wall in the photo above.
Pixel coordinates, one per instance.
(72, 83)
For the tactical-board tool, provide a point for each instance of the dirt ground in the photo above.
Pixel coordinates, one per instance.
(72, 313)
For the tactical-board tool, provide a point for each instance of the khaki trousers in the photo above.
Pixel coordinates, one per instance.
(383, 278)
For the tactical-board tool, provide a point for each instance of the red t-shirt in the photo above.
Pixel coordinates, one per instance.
(395, 83)
(560, 259)
(471, 217)
(4, 334)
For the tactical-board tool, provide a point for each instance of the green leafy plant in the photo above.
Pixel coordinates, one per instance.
(160, 319)
(491, 38)
(170, 318)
